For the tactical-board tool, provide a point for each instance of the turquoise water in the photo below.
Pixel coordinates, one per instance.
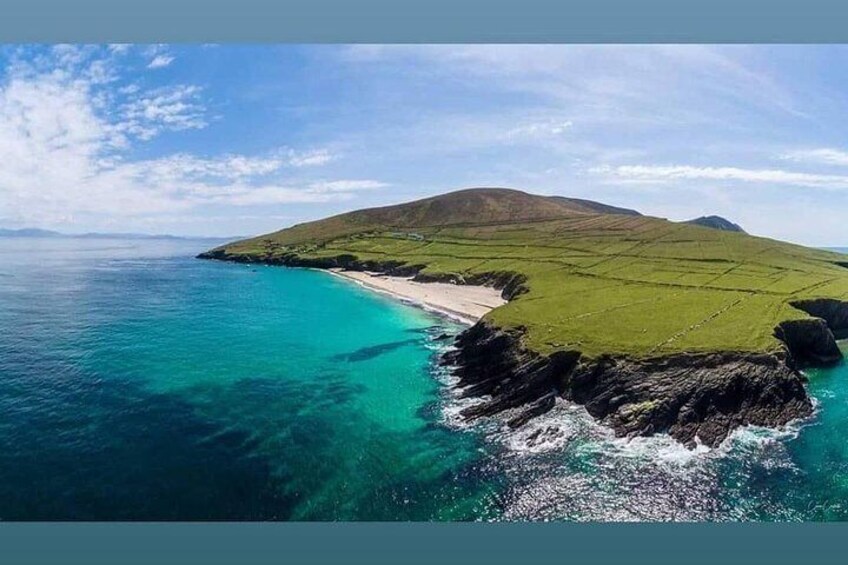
(139, 383)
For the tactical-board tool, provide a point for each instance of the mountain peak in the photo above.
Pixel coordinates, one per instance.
(481, 206)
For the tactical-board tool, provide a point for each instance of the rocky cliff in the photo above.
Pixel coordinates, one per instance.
(693, 397)
(699, 397)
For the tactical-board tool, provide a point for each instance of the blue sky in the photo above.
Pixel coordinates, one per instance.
(230, 140)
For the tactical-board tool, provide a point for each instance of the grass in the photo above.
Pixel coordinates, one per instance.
(600, 283)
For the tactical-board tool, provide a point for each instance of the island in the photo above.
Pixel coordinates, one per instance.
(689, 329)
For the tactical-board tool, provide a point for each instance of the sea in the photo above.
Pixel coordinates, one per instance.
(140, 383)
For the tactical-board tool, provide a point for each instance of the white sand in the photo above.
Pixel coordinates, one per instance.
(465, 303)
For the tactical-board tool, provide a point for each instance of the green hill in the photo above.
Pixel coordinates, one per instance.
(598, 279)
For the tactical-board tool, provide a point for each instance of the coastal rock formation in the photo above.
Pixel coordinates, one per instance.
(694, 398)
(810, 342)
(510, 284)
(349, 262)
(832, 311)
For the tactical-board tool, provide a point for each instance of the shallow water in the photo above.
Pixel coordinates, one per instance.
(139, 383)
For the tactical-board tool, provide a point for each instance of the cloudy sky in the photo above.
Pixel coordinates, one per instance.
(232, 140)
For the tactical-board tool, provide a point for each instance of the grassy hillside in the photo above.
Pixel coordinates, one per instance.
(598, 282)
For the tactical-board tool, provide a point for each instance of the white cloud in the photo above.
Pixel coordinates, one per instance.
(312, 158)
(346, 185)
(539, 130)
(265, 195)
(160, 61)
(822, 156)
(74, 119)
(127, 108)
(665, 83)
(49, 134)
(119, 48)
(69, 55)
(173, 108)
(182, 166)
(64, 140)
(667, 173)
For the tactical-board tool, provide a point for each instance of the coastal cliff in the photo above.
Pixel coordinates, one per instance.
(694, 398)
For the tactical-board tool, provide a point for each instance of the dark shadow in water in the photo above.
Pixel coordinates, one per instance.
(427, 330)
(372, 351)
(116, 452)
(76, 445)
(94, 448)
(107, 450)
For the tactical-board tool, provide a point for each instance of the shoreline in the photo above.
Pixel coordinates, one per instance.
(466, 304)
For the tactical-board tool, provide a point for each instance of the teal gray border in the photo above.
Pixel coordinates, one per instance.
(422, 544)
(425, 21)
(418, 21)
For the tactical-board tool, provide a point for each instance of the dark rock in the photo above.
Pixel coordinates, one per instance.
(809, 342)
(832, 311)
(492, 362)
(704, 396)
(511, 284)
(541, 406)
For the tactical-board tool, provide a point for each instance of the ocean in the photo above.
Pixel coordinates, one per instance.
(139, 383)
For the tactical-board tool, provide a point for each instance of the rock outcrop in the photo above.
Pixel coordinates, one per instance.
(832, 311)
(809, 342)
(812, 341)
(344, 261)
(694, 398)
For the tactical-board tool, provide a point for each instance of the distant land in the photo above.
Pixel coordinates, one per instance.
(654, 326)
(716, 222)
(40, 233)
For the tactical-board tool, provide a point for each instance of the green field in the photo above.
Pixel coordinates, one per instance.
(599, 282)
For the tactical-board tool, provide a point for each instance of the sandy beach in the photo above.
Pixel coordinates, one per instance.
(465, 303)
